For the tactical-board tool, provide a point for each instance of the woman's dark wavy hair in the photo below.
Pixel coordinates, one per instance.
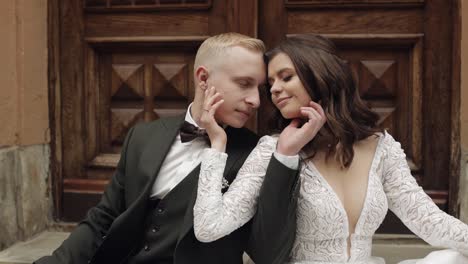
(328, 79)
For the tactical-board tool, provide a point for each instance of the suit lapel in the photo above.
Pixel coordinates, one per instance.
(151, 159)
(156, 150)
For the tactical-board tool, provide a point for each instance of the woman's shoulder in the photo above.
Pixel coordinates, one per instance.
(380, 138)
(390, 147)
(388, 140)
(380, 143)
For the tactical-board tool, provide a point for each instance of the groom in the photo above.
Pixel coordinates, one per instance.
(146, 212)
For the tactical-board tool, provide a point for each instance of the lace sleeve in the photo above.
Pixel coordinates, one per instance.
(217, 215)
(415, 208)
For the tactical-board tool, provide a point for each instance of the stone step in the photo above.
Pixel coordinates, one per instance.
(393, 248)
(394, 252)
(29, 251)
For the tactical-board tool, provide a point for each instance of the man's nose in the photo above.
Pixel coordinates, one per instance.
(253, 98)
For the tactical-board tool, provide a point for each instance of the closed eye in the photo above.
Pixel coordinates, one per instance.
(244, 84)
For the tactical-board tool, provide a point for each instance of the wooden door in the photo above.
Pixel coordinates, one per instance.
(116, 63)
(401, 55)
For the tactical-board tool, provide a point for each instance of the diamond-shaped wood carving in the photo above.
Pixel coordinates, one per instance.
(121, 121)
(127, 81)
(386, 117)
(377, 78)
(170, 80)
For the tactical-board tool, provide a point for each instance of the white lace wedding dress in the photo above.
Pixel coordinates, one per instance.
(322, 225)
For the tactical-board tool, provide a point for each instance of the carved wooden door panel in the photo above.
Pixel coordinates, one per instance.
(400, 53)
(118, 62)
(124, 62)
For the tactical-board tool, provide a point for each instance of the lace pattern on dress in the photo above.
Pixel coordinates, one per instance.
(217, 215)
(322, 225)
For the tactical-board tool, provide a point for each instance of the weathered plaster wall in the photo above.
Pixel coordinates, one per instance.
(23, 73)
(25, 204)
(8, 85)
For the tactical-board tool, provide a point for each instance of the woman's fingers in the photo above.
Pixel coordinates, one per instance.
(310, 113)
(294, 123)
(317, 107)
(215, 106)
(314, 112)
(211, 97)
(316, 119)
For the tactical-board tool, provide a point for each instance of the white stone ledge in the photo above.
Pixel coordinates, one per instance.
(27, 252)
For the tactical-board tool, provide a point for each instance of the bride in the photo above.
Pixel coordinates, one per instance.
(350, 171)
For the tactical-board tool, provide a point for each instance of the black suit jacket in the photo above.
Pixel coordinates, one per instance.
(113, 227)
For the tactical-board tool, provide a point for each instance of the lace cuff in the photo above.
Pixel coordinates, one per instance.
(212, 168)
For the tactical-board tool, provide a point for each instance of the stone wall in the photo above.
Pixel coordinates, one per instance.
(24, 192)
(464, 187)
(464, 115)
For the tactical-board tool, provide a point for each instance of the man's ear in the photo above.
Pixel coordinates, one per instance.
(201, 74)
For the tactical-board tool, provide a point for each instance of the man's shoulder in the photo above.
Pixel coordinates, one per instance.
(140, 133)
(147, 128)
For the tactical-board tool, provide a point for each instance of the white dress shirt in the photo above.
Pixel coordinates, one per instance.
(180, 161)
(184, 157)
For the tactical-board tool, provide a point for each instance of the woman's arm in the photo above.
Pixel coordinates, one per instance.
(415, 208)
(216, 214)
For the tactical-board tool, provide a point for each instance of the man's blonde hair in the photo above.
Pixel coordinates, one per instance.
(215, 46)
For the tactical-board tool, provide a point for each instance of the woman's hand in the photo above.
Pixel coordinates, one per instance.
(216, 133)
(294, 137)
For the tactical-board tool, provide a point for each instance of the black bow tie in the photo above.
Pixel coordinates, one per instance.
(189, 132)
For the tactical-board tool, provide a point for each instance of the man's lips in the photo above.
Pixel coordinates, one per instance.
(281, 101)
(246, 113)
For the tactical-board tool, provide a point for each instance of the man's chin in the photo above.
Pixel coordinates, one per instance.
(230, 119)
(235, 123)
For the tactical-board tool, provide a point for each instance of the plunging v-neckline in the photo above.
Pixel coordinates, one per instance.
(335, 195)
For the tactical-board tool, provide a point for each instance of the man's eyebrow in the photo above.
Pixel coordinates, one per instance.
(244, 77)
